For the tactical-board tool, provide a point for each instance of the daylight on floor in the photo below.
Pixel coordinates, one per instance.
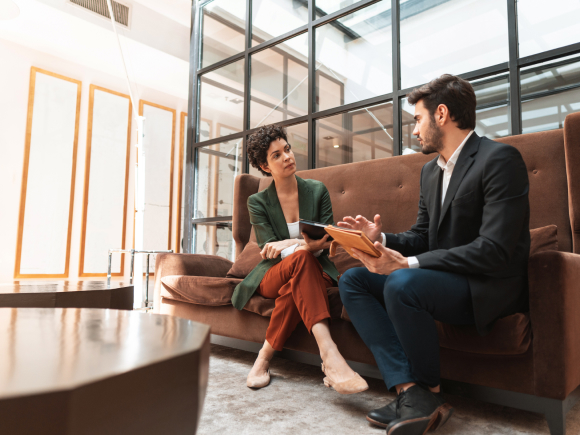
(289, 217)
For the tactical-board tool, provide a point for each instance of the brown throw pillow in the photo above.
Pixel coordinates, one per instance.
(544, 239)
(343, 261)
(245, 263)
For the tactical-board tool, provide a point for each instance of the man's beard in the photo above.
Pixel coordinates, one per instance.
(432, 142)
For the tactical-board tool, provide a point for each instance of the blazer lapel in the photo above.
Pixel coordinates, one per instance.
(463, 164)
(305, 200)
(276, 214)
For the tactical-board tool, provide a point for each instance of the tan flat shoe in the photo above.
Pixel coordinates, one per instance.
(353, 385)
(258, 381)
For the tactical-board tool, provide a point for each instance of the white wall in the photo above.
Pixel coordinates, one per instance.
(14, 86)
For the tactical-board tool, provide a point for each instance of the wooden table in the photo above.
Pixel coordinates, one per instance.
(93, 371)
(67, 294)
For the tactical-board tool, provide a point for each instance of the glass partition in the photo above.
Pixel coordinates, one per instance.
(454, 37)
(348, 65)
(279, 82)
(550, 91)
(216, 168)
(272, 18)
(355, 136)
(223, 27)
(544, 26)
(221, 101)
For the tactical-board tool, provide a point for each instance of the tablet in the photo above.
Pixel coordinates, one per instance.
(314, 230)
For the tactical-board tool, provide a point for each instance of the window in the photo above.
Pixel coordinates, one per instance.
(549, 93)
(338, 84)
(451, 36)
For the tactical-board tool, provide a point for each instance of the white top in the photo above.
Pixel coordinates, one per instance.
(447, 168)
(294, 232)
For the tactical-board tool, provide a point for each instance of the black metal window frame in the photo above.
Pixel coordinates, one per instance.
(512, 68)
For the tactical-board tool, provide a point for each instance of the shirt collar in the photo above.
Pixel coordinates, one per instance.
(453, 159)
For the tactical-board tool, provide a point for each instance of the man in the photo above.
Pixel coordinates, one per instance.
(464, 261)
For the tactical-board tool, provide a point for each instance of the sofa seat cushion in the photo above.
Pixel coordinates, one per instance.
(511, 335)
(201, 290)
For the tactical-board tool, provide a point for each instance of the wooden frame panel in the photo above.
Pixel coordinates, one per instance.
(86, 182)
(142, 103)
(23, 189)
(182, 139)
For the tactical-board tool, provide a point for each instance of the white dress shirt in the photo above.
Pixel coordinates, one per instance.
(294, 232)
(447, 168)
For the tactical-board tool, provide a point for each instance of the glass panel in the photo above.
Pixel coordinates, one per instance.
(491, 113)
(325, 7)
(216, 168)
(298, 138)
(410, 143)
(440, 37)
(214, 239)
(543, 26)
(223, 30)
(279, 82)
(272, 18)
(355, 136)
(348, 65)
(221, 100)
(549, 93)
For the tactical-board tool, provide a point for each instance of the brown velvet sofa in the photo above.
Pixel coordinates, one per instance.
(529, 361)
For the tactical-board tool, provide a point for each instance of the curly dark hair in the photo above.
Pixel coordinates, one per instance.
(456, 93)
(260, 141)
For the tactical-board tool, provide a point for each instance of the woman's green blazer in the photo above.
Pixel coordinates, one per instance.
(269, 224)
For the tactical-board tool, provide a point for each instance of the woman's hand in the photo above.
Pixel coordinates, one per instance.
(273, 249)
(315, 245)
(361, 223)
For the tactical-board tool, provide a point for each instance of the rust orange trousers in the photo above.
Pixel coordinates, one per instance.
(299, 286)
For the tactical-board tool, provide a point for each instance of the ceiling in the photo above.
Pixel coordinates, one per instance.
(156, 46)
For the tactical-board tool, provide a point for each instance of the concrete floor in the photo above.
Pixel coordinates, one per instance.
(297, 402)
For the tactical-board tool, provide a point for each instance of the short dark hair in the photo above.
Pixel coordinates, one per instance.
(456, 93)
(260, 141)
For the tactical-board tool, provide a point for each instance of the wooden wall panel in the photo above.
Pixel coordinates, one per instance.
(48, 178)
(106, 181)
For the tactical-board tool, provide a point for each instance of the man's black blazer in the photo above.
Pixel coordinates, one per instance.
(481, 230)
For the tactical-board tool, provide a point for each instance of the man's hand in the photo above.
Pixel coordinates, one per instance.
(360, 223)
(314, 245)
(387, 263)
(273, 249)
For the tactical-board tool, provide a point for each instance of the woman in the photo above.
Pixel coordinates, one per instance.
(295, 270)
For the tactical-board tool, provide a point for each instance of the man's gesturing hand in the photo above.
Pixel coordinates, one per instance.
(361, 223)
(387, 263)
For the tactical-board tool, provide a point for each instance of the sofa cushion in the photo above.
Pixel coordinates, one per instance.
(246, 261)
(202, 290)
(544, 239)
(511, 335)
(343, 261)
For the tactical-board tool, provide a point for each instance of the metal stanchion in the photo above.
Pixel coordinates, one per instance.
(133, 252)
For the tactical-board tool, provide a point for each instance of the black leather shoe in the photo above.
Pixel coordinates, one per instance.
(419, 411)
(383, 416)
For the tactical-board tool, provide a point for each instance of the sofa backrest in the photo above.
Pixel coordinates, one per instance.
(390, 186)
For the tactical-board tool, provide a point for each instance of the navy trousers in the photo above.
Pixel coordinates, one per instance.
(395, 316)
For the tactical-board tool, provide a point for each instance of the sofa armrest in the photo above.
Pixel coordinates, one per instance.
(554, 282)
(187, 264)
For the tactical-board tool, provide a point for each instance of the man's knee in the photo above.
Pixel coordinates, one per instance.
(350, 281)
(399, 288)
